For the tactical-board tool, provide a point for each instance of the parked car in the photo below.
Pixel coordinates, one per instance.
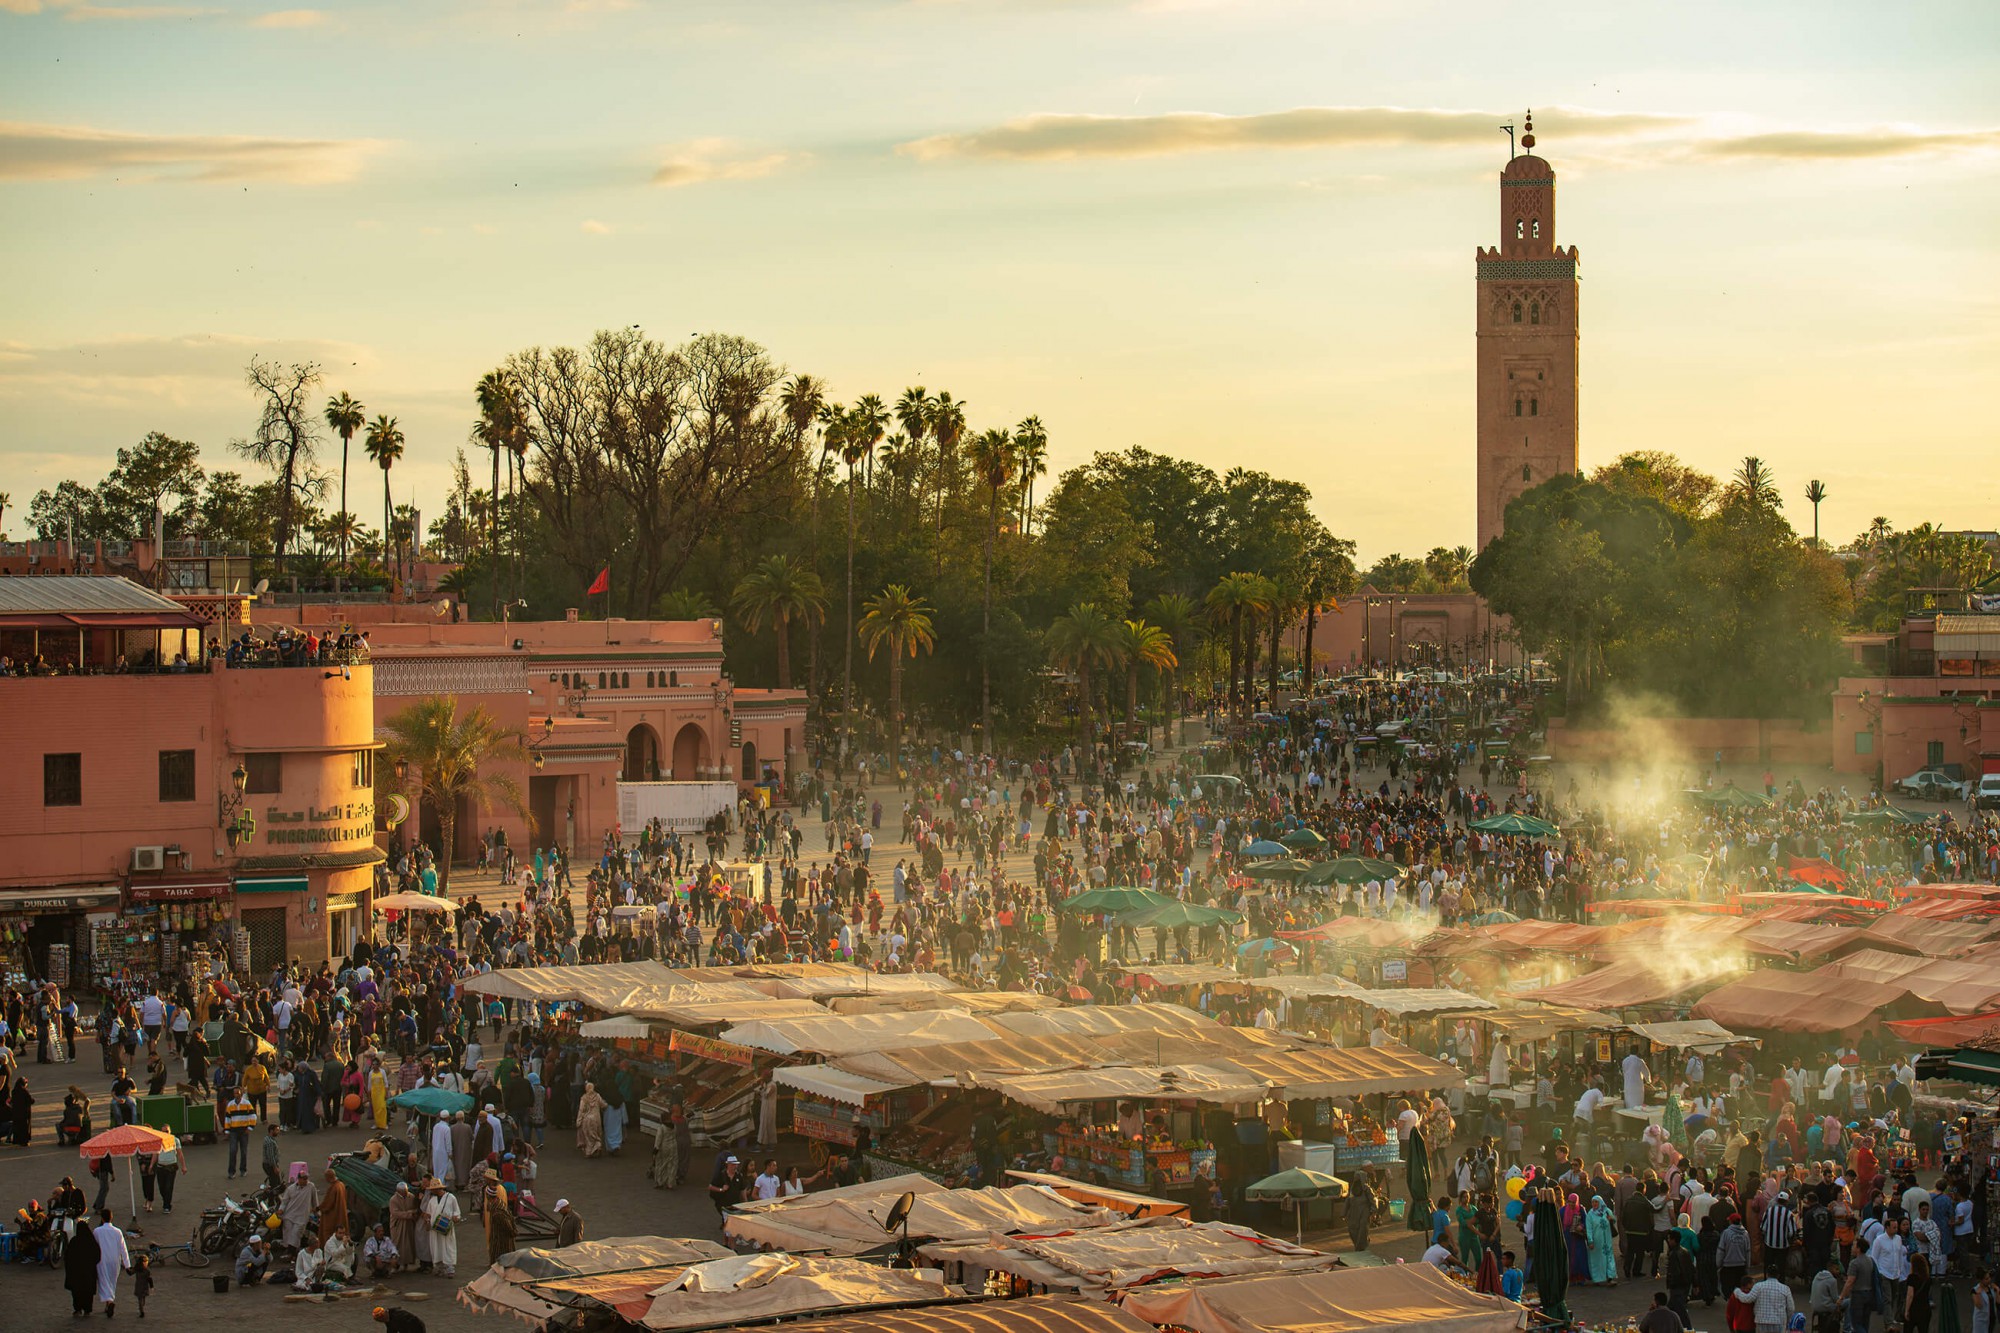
(1987, 797)
(1932, 784)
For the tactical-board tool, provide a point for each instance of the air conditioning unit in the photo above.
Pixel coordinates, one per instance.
(149, 858)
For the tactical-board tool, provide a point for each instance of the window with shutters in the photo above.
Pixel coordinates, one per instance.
(176, 775)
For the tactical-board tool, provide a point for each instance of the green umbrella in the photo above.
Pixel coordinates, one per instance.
(1671, 1123)
(1947, 1308)
(1733, 797)
(1297, 1187)
(1887, 816)
(1527, 826)
(1303, 840)
(1173, 914)
(1351, 870)
(1494, 918)
(432, 1100)
(1549, 1260)
(1283, 867)
(1113, 898)
(1417, 1171)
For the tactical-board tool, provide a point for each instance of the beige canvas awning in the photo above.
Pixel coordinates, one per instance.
(849, 1221)
(759, 1287)
(836, 1085)
(1698, 1034)
(1128, 1253)
(1029, 1314)
(1419, 1000)
(1103, 1020)
(1051, 1093)
(848, 1034)
(1410, 1298)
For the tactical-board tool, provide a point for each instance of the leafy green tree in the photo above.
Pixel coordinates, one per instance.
(1660, 476)
(685, 604)
(780, 591)
(1180, 621)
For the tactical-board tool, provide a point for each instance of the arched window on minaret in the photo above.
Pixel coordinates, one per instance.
(1536, 228)
(1527, 473)
(1517, 407)
(1520, 229)
(1535, 312)
(1534, 407)
(1517, 312)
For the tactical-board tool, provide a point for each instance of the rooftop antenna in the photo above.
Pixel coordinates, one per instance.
(1509, 127)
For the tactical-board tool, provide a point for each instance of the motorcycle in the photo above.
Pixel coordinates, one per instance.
(229, 1226)
(62, 1225)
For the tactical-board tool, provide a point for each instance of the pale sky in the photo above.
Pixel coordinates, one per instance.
(1236, 230)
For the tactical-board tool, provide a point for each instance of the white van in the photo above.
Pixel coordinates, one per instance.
(1987, 797)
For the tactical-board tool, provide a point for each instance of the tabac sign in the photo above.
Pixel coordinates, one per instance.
(350, 821)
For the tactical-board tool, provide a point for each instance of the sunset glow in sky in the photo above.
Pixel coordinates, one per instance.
(1236, 230)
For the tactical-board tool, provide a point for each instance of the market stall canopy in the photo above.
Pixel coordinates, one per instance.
(1175, 915)
(1977, 893)
(1351, 870)
(850, 1221)
(1101, 1020)
(1421, 1000)
(976, 1002)
(761, 1287)
(1516, 825)
(1935, 939)
(1360, 932)
(1802, 939)
(1028, 1314)
(1698, 1034)
(1773, 1001)
(1123, 1202)
(835, 1085)
(415, 902)
(1635, 983)
(1052, 1093)
(1948, 1030)
(432, 1100)
(618, 1026)
(1132, 1253)
(505, 1284)
(1529, 1021)
(1410, 1298)
(1959, 985)
(1114, 899)
(1296, 988)
(859, 981)
(1182, 974)
(849, 1034)
(605, 986)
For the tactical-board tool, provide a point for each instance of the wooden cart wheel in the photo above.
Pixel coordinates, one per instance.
(819, 1154)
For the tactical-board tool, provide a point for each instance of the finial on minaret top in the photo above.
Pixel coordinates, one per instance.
(1528, 134)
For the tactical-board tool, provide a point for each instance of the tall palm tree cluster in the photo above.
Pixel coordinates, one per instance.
(383, 442)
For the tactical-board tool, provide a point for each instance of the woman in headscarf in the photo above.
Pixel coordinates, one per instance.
(295, 1208)
(20, 1109)
(1468, 1239)
(377, 1085)
(307, 1097)
(403, 1223)
(1571, 1217)
(350, 1094)
(1360, 1210)
(590, 1122)
(197, 1058)
(80, 1258)
(1602, 1244)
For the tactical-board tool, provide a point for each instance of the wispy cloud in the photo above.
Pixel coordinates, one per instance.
(1821, 145)
(69, 152)
(1075, 136)
(594, 227)
(160, 365)
(290, 18)
(701, 160)
(82, 11)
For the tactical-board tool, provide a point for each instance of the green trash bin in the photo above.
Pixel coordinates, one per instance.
(169, 1112)
(201, 1122)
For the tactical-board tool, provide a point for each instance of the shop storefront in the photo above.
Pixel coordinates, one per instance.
(45, 934)
(170, 928)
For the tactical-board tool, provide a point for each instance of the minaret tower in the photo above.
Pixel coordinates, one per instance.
(1527, 330)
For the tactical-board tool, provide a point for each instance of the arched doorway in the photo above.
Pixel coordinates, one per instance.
(642, 754)
(690, 753)
(750, 773)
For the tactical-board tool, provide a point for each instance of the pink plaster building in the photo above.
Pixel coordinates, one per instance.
(153, 811)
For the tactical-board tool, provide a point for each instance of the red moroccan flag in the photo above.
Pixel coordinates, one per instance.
(602, 583)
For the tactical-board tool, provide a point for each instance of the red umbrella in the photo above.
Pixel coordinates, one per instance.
(126, 1141)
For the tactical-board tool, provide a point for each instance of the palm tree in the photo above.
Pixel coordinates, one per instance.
(1285, 600)
(1815, 492)
(1754, 483)
(870, 420)
(346, 417)
(993, 456)
(800, 402)
(1140, 644)
(903, 622)
(1175, 614)
(456, 759)
(497, 430)
(340, 529)
(947, 427)
(6, 498)
(1031, 447)
(685, 604)
(384, 446)
(844, 434)
(913, 414)
(783, 592)
(1084, 638)
(1236, 595)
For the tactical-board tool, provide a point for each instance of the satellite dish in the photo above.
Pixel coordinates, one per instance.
(899, 1214)
(263, 586)
(443, 607)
